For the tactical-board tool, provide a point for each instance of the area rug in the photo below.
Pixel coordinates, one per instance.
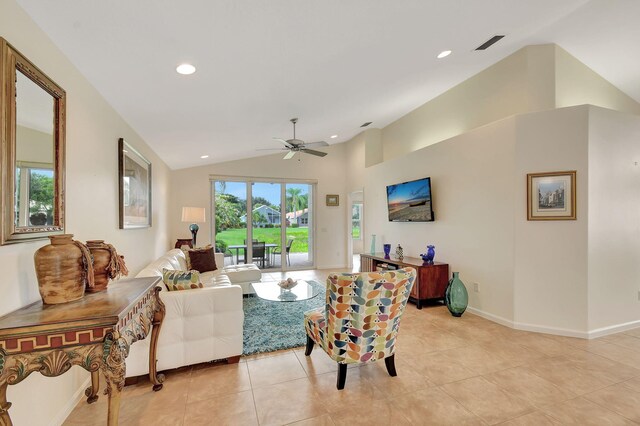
(271, 326)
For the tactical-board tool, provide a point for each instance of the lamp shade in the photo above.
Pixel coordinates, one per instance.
(193, 214)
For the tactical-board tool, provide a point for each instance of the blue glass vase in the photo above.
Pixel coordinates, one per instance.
(456, 296)
(387, 250)
(431, 253)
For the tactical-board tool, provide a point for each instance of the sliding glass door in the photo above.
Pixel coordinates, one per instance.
(230, 217)
(266, 220)
(278, 231)
(299, 225)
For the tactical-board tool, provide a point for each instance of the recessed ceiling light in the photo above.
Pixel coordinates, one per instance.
(186, 69)
(334, 136)
(204, 156)
(444, 54)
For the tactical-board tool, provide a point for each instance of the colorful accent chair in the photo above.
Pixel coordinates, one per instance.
(361, 318)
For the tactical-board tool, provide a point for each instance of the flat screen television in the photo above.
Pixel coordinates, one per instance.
(410, 201)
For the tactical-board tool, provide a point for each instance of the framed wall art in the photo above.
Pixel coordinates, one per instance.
(333, 200)
(134, 176)
(551, 196)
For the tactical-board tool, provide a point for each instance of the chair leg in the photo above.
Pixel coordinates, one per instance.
(309, 348)
(342, 376)
(391, 365)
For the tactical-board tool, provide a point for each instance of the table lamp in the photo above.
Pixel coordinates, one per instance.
(193, 215)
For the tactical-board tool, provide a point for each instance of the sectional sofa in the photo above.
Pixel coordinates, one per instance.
(200, 325)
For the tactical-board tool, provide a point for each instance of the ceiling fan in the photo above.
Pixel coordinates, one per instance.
(296, 145)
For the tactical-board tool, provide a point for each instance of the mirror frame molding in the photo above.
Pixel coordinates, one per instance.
(12, 61)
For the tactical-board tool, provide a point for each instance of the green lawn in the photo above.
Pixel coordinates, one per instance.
(268, 235)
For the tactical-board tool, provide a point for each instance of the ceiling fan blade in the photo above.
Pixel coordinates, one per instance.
(285, 143)
(289, 155)
(316, 153)
(271, 149)
(316, 144)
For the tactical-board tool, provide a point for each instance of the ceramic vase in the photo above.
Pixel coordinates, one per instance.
(107, 264)
(399, 252)
(64, 268)
(456, 296)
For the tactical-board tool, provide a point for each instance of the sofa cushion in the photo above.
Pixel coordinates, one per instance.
(181, 280)
(214, 279)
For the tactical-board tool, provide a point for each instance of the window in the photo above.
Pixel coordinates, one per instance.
(34, 195)
(356, 221)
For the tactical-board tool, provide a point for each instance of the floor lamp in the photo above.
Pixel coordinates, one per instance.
(193, 215)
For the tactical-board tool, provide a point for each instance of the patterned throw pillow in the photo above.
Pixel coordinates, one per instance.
(181, 280)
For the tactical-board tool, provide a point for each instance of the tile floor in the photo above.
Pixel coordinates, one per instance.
(450, 371)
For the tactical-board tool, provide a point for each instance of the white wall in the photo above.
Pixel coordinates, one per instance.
(191, 187)
(93, 129)
(614, 219)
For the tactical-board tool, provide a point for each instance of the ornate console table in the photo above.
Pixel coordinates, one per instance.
(94, 332)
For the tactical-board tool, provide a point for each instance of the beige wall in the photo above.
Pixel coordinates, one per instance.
(522, 82)
(93, 129)
(551, 256)
(473, 189)
(191, 187)
(34, 146)
(535, 78)
(614, 219)
(577, 84)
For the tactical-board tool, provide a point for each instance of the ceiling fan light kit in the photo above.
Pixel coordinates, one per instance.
(294, 145)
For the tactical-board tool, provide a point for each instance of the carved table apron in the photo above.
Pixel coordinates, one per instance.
(94, 332)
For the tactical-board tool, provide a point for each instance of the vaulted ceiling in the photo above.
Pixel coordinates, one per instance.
(335, 64)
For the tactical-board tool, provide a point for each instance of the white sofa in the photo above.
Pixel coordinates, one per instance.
(200, 325)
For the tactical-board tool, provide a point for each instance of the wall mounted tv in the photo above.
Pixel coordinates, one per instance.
(410, 201)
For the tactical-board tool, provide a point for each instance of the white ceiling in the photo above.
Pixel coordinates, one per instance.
(334, 63)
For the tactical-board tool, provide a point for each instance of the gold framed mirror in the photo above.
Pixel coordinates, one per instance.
(32, 156)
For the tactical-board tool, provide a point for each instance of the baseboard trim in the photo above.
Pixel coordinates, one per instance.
(551, 330)
(612, 329)
(68, 408)
(495, 318)
(340, 267)
(592, 334)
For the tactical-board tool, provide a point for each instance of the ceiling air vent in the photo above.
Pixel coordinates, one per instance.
(366, 124)
(487, 44)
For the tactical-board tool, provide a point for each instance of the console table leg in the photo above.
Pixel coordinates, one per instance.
(5, 420)
(92, 391)
(114, 406)
(158, 317)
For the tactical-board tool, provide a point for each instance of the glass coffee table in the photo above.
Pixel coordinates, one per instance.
(270, 290)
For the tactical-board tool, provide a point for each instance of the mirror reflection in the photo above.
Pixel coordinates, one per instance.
(35, 149)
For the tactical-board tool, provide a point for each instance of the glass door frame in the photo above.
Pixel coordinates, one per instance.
(249, 180)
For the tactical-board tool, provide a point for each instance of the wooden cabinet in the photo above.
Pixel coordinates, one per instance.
(431, 280)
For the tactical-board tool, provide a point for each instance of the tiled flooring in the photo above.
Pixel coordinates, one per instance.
(462, 371)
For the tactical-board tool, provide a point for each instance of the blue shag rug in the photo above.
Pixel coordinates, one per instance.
(271, 326)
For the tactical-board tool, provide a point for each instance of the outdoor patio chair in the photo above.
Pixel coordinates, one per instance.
(259, 253)
(361, 318)
(277, 251)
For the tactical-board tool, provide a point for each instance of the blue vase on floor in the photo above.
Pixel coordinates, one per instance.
(456, 296)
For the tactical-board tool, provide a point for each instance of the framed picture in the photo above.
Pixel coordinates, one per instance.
(134, 176)
(333, 200)
(551, 196)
